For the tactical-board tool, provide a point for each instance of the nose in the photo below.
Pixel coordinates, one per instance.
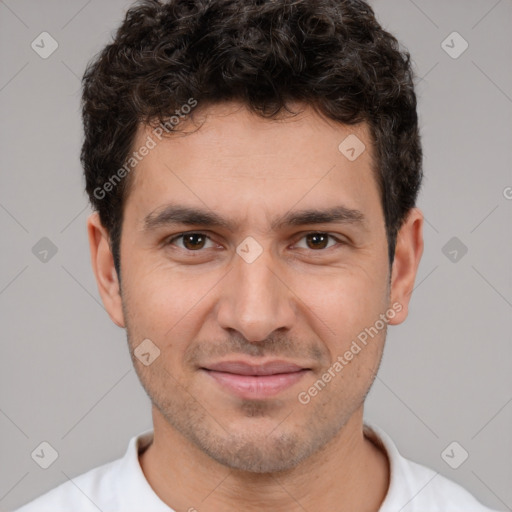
(256, 300)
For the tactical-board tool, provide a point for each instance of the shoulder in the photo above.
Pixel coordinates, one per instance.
(417, 488)
(117, 485)
(79, 493)
(438, 492)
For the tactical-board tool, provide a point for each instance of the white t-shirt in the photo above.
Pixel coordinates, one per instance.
(120, 486)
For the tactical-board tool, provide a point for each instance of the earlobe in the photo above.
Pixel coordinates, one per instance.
(104, 270)
(408, 252)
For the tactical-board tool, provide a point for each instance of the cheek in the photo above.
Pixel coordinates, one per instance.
(166, 305)
(347, 301)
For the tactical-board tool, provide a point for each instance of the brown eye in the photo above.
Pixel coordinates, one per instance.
(194, 241)
(317, 240)
(190, 241)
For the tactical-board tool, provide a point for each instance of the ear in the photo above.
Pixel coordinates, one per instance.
(408, 252)
(102, 263)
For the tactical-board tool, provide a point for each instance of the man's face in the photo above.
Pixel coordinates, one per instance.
(267, 285)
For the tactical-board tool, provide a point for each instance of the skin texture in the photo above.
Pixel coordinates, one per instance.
(299, 301)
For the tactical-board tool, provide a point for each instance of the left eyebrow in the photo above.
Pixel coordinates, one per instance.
(339, 214)
(177, 214)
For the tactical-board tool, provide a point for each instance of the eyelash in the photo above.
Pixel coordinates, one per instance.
(181, 235)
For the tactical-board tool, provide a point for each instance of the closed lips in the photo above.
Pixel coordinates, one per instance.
(255, 381)
(243, 368)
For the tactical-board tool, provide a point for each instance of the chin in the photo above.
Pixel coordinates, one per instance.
(270, 456)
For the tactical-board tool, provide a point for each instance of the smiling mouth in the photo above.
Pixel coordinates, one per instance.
(255, 381)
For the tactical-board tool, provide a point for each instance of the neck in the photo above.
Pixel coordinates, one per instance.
(349, 473)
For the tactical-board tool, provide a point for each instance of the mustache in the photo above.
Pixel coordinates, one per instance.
(279, 345)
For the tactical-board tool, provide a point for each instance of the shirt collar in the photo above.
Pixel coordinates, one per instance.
(142, 494)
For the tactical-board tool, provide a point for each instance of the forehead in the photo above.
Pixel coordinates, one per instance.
(226, 156)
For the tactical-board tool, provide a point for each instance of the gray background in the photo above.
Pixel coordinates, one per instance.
(65, 372)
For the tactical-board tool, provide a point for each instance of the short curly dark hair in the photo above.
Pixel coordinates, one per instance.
(330, 54)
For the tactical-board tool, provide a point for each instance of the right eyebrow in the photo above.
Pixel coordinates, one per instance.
(177, 214)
